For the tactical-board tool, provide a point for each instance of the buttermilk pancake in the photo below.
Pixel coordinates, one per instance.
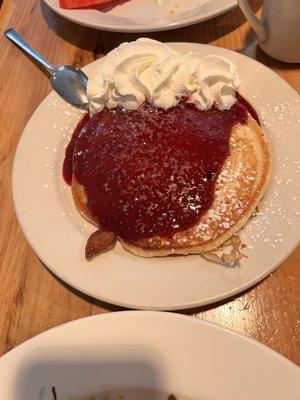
(185, 186)
(171, 168)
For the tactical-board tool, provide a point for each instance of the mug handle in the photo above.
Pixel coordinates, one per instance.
(256, 23)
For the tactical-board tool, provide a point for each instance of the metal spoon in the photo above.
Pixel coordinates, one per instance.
(69, 82)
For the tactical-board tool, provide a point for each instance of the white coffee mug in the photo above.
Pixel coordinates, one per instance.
(278, 31)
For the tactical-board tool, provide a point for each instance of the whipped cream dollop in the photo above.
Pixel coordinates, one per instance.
(147, 70)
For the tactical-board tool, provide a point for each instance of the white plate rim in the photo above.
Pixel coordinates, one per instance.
(176, 306)
(67, 14)
(197, 321)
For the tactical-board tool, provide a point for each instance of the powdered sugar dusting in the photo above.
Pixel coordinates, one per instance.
(231, 195)
(54, 155)
(273, 210)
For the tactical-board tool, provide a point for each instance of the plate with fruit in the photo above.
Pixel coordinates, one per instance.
(139, 15)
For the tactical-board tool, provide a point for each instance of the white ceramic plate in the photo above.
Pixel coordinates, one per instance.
(58, 233)
(146, 15)
(151, 351)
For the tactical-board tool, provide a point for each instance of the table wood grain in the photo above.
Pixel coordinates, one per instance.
(31, 298)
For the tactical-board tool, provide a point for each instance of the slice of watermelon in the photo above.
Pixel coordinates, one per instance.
(81, 3)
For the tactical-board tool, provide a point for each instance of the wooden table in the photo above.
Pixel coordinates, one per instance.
(31, 298)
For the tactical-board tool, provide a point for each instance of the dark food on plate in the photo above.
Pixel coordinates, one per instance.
(54, 394)
(178, 180)
(171, 397)
(153, 187)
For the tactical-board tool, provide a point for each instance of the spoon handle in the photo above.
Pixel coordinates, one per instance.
(20, 42)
